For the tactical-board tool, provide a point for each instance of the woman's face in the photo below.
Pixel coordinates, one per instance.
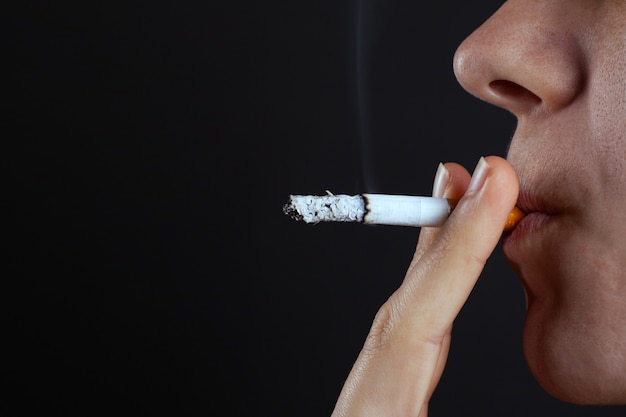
(560, 67)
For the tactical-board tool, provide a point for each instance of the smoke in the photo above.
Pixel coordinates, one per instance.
(365, 12)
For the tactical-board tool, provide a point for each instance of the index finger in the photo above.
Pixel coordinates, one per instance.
(438, 283)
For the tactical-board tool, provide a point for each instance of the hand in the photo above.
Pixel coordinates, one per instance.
(404, 354)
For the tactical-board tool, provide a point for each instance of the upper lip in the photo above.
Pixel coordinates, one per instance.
(530, 202)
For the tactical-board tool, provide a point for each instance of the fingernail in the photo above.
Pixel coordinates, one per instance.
(442, 177)
(479, 176)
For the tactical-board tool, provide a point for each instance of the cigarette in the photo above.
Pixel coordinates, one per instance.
(383, 209)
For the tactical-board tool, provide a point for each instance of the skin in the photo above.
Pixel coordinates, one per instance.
(560, 67)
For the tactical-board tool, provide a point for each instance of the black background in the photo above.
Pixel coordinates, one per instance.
(150, 147)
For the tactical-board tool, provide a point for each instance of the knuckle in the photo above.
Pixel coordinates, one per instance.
(382, 328)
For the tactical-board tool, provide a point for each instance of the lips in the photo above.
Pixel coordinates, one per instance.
(538, 213)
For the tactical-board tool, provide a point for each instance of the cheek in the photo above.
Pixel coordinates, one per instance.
(607, 149)
(606, 117)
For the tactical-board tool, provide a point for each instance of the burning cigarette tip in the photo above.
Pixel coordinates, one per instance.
(290, 211)
(328, 208)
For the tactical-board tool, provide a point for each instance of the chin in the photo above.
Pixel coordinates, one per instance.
(570, 362)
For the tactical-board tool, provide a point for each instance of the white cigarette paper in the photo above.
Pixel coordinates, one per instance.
(400, 210)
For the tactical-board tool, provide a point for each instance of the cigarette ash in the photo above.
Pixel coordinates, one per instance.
(291, 211)
(328, 208)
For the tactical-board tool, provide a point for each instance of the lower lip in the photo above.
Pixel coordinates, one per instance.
(529, 225)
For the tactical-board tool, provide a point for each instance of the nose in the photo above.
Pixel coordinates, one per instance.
(526, 58)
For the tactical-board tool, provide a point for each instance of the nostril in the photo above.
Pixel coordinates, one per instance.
(508, 90)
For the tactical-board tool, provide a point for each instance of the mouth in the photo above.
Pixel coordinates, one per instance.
(538, 214)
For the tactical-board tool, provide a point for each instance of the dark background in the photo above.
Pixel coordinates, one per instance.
(150, 147)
